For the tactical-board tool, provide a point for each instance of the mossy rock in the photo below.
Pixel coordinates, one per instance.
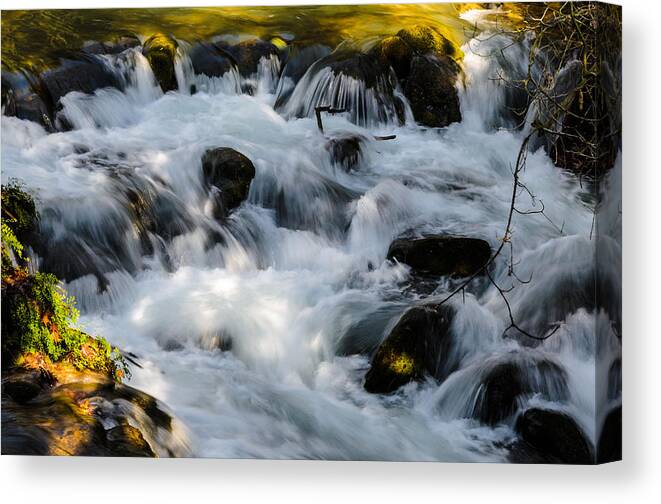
(228, 174)
(427, 40)
(441, 254)
(160, 51)
(397, 53)
(431, 91)
(417, 346)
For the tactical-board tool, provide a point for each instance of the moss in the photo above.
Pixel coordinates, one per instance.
(402, 364)
(427, 40)
(37, 314)
(397, 53)
(19, 219)
(160, 52)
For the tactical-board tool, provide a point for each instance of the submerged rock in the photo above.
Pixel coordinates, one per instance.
(345, 150)
(552, 436)
(160, 51)
(228, 174)
(609, 447)
(416, 347)
(441, 255)
(120, 44)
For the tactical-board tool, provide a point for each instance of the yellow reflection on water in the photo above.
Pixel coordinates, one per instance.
(37, 37)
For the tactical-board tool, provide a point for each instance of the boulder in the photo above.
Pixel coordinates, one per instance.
(609, 447)
(497, 397)
(299, 60)
(345, 150)
(417, 346)
(160, 51)
(210, 60)
(498, 393)
(555, 436)
(441, 255)
(424, 39)
(84, 73)
(247, 54)
(397, 53)
(228, 174)
(431, 92)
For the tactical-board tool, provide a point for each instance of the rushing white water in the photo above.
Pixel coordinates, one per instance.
(257, 332)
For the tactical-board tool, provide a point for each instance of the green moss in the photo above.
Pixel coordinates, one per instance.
(37, 314)
(19, 218)
(160, 51)
(427, 40)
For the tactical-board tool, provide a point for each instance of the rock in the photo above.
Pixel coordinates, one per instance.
(609, 447)
(431, 92)
(300, 60)
(500, 389)
(502, 386)
(555, 436)
(441, 255)
(397, 53)
(160, 51)
(427, 40)
(83, 73)
(210, 60)
(345, 151)
(21, 391)
(417, 346)
(248, 53)
(228, 173)
(121, 44)
(127, 441)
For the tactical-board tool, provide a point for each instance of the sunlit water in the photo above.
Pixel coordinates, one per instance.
(257, 331)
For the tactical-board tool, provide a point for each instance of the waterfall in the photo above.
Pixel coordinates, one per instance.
(244, 326)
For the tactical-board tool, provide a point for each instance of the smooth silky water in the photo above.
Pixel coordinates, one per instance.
(257, 331)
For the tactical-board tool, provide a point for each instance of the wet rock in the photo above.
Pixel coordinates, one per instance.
(397, 53)
(86, 414)
(416, 347)
(441, 255)
(504, 384)
(121, 44)
(127, 441)
(431, 92)
(21, 391)
(424, 39)
(609, 447)
(160, 51)
(83, 73)
(210, 60)
(345, 151)
(500, 389)
(555, 436)
(248, 54)
(228, 174)
(300, 60)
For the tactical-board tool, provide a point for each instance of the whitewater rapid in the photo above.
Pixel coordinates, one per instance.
(257, 332)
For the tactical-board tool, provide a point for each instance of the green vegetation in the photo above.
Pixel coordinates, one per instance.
(37, 314)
